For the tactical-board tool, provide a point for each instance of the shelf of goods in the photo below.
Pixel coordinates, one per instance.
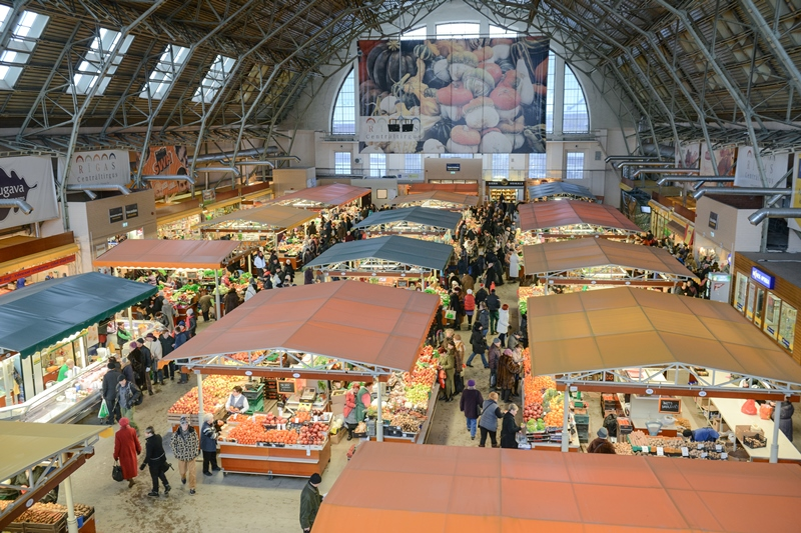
(543, 413)
(185, 228)
(216, 390)
(290, 251)
(67, 399)
(524, 293)
(443, 294)
(274, 445)
(641, 443)
(50, 518)
(411, 401)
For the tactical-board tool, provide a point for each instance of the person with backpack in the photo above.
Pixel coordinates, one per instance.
(128, 397)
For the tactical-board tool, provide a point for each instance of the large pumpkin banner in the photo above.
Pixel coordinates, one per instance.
(468, 96)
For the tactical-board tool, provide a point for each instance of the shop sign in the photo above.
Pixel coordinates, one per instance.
(453, 167)
(286, 386)
(26, 272)
(669, 405)
(100, 168)
(209, 196)
(29, 179)
(762, 277)
(713, 220)
(131, 211)
(747, 172)
(166, 161)
(115, 215)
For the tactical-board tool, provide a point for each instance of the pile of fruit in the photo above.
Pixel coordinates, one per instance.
(280, 436)
(216, 390)
(412, 389)
(251, 430)
(408, 422)
(268, 420)
(533, 411)
(47, 513)
(313, 434)
(555, 416)
(248, 432)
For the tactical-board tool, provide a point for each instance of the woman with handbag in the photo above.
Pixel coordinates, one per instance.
(126, 448)
(156, 461)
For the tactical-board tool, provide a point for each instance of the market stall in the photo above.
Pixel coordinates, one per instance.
(323, 197)
(391, 260)
(262, 224)
(442, 489)
(43, 456)
(656, 347)
(193, 260)
(301, 337)
(44, 326)
(416, 222)
(436, 200)
(570, 219)
(559, 190)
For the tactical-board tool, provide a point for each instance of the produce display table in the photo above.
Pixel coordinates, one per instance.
(730, 411)
(291, 460)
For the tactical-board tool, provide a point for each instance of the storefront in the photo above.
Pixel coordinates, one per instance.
(34, 259)
(437, 200)
(325, 197)
(330, 332)
(571, 219)
(767, 291)
(559, 190)
(391, 260)
(675, 222)
(37, 341)
(506, 190)
(647, 354)
(416, 222)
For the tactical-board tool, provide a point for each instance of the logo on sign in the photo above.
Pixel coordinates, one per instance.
(97, 167)
(765, 279)
(12, 187)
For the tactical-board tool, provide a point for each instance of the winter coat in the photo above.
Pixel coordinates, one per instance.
(251, 292)
(127, 396)
(231, 301)
(514, 265)
(154, 451)
(507, 369)
(470, 403)
(468, 283)
(478, 341)
(169, 313)
(166, 342)
(363, 401)
(509, 431)
(483, 319)
(185, 444)
(493, 356)
(493, 302)
(469, 302)
(350, 407)
(481, 295)
(109, 390)
(786, 419)
(503, 321)
(490, 413)
(310, 500)
(208, 437)
(126, 448)
(596, 442)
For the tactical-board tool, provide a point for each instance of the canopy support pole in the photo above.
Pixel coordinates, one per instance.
(200, 412)
(565, 418)
(774, 446)
(217, 294)
(379, 423)
(130, 322)
(72, 522)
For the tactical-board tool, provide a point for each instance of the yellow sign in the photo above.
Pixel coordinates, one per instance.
(796, 199)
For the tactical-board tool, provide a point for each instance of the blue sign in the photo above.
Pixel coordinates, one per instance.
(765, 279)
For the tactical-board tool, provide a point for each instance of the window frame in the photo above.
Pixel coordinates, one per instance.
(351, 76)
(570, 173)
(165, 73)
(340, 167)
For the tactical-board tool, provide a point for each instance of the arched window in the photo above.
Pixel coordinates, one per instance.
(576, 118)
(343, 121)
(550, 93)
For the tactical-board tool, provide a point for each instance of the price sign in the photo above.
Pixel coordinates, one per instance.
(685, 452)
(669, 405)
(718, 447)
(645, 449)
(724, 456)
(660, 451)
(703, 455)
(308, 451)
(700, 445)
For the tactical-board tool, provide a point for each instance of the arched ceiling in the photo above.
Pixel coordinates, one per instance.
(722, 70)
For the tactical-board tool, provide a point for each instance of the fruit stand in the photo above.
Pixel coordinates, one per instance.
(263, 224)
(307, 332)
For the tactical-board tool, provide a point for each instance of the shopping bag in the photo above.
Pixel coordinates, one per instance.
(116, 473)
(103, 413)
(765, 411)
(749, 407)
(450, 314)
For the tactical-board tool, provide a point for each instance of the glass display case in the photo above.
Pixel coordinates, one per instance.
(787, 326)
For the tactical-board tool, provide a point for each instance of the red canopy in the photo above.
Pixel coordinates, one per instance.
(160, 253)
(327, 195)
(539, 216)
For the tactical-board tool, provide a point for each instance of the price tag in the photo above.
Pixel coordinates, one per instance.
(703, 455)
(718, 447)
(700, 445)
(685, 452)
(308, 451)
(645, 449)
(660, 451)
(724, 456)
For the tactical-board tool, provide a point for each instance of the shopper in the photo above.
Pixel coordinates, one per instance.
(469, 305)
(603, 436)
(510, 428)
(483, 318)
(494, 356)
(481, 294)
(166, 339)
(126, 448)
(128, 397)
(494, 306)
(191, 322)
(502, 325)
(259, 264)
(156, 353)
(701, 435)
(186, 447)
(488, 423)
(137, 359)
(786, 411)
(168, 311)
(606, 447)
(478, 342)
(231, 300)
(350, 409)
(251, 290)
(147, 361)
(458, 378)
(310, 500)
(109, 393)
(205, 303)
(208, 444)
(470, 404)
(447, 363)
(156, 461)
(507, 372)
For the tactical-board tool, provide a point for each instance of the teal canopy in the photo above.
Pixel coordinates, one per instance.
(38, 316)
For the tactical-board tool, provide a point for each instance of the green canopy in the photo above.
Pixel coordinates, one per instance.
(40, 315)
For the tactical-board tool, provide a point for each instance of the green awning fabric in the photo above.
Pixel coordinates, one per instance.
(413, 252)
(40, 315)
(436, 218)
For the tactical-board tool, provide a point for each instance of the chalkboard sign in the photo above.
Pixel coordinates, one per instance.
(669, 405)
(286, 386)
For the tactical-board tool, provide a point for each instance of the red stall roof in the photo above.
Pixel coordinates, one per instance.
(436, 196)
(326, 195)
(555, 214)
(480, 490)
(160, 253)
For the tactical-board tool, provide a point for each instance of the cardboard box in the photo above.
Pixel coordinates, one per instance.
(336, 437)
(745, 431)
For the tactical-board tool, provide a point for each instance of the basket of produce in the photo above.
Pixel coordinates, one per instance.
(755, 441)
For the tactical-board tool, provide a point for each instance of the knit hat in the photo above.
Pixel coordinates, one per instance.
(133, 346)
(183, 420)
(505, 307)
(471, 383)
(315, 478)
(508, 352)
(124, 422)
(603, 433)
(150, 336)
(496, 340)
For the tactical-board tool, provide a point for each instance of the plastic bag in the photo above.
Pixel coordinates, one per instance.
(749, 407)
(765, 411)
(103, 413)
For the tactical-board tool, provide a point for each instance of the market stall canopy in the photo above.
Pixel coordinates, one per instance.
(161, 253)
(270, 217)
(560, 189)
(423, 216)
(428, 488)
(325, 196)
(436, 197)
(624, 328)
(541, 216)
(345, 320)
(392, 248)
(556, 258)
(40, 315)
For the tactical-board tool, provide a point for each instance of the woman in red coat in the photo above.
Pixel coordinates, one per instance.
(126, 448)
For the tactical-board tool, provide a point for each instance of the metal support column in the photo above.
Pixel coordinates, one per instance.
(379, 422)
(566, 419)
(200, 412)
(774, 445)
(72, 521)
(216, 294)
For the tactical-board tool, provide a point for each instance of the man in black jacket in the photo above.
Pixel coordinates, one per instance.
(480, 295)
(109, 393)
(156, 460)
(147, 358)
(166, 340)
(494, 306)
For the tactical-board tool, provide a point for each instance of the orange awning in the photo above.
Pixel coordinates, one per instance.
(633, 328)
(327, 195)
(589, 253)
(436, 196)
(347, 320)
(541, 216)
(161, 253)
(454, 489)
(277, 217)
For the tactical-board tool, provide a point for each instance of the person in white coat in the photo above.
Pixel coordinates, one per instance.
(156, 353)
(252, 290)
(514, 266)
(503, 323)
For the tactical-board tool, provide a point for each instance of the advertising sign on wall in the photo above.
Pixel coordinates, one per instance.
(481, 95)
(100, 168)
(725, 159)
(29, 179)
(166, 161)
(747, 173)
(689, 155)
(795, 201)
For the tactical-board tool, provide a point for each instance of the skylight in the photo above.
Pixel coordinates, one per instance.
(21, 43)
(94, 60)
(166, 71)
(215, 77)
